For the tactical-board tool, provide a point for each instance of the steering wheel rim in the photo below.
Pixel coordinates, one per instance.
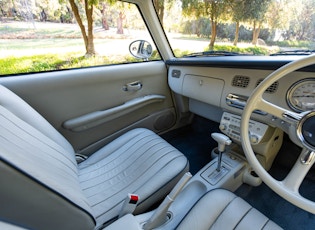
(289, 187)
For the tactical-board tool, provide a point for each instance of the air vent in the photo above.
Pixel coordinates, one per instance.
(271, 89)
(240, 81)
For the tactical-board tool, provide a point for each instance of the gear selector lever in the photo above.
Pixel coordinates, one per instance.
(222, 142)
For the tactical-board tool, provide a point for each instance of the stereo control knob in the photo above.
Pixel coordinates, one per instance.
(253, 138)
(222, 127)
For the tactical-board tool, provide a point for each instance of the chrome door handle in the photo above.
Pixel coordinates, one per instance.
(133, 86)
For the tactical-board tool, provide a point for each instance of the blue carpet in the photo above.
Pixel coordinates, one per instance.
(285, 214)
(195, 142)
(276, 208)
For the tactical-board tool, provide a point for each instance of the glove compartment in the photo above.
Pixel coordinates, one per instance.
(205, 89)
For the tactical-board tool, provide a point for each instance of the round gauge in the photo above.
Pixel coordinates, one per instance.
(301, 95)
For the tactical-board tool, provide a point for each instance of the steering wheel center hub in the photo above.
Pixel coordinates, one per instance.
(306, 130)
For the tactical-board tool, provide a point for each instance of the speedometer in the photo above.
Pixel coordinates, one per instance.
(301, 95)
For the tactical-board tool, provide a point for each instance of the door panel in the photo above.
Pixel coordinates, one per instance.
(70, 96)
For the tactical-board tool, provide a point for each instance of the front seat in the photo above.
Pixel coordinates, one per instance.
(42, 186)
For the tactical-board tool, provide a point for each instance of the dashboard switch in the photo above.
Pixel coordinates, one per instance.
(253, 139)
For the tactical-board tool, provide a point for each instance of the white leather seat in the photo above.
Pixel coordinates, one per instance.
(42, 187)
(220, 209)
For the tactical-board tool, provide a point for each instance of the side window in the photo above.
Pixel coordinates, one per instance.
(38, 36)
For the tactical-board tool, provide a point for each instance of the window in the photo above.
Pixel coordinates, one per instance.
(251, 27)
(38, 36)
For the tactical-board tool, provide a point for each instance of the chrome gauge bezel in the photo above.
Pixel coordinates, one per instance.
(292, 89)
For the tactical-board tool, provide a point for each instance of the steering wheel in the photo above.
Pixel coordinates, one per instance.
(302, 130)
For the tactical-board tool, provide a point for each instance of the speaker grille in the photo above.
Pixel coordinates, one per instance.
(271, 89)
(240, 81)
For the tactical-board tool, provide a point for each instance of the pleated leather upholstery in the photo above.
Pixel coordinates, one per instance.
(139, 162)
(220, 209)
(39, 179)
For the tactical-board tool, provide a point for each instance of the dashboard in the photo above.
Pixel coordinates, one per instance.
(218, 90)
(226, 85)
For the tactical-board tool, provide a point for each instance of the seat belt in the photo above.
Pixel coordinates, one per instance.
(129, 205)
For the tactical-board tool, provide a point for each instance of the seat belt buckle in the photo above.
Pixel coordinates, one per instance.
(129, 205)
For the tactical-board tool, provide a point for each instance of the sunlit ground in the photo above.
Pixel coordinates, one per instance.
(26, 39)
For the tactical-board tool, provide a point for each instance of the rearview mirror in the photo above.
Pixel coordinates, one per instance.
(141, 49)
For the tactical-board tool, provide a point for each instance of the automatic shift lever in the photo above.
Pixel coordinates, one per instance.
(222, 142)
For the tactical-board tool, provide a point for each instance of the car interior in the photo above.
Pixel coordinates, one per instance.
(223, 142)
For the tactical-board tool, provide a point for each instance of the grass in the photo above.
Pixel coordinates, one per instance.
(54, 46)
(295, 44)
(34, 63)
(48, 62)
(24, 30)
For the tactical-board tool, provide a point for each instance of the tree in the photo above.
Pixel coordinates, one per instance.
(215, 10)
(256, 10)
(104, 16)
(87, 35)
(277, 15)
(159, 7)
(87, 31)
(26, 10)
(238, 7)
(120, 21)
(302, 20)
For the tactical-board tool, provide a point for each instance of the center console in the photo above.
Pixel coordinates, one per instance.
(265, 140)
(234, 171)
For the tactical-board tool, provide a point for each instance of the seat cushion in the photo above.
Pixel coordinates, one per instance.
(221, 209)
(138, 162)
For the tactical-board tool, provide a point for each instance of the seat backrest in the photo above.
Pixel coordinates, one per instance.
(40, 188)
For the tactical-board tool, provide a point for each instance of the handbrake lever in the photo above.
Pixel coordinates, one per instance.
(159, 217)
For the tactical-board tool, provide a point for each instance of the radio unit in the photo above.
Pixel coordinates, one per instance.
(230, 125)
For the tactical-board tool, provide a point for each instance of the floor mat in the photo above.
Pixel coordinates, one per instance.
(285, 214)
(282, 212)
(195, 141)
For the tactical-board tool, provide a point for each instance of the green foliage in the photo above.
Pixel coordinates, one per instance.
(255, 50)
(294, 44)
(180, 53)
(50, 62)
(225, 31)
(215, 10)
(201, 27)
(251, 50)
(255, 9)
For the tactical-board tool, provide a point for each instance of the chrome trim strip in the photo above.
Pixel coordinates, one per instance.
(308, 158)
(239, 101)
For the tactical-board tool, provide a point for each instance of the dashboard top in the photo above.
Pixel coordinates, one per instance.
(245, 62)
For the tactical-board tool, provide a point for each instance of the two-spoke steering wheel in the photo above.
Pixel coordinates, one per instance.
(302, 129)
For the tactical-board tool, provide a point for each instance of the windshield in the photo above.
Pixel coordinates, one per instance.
(251, 27)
